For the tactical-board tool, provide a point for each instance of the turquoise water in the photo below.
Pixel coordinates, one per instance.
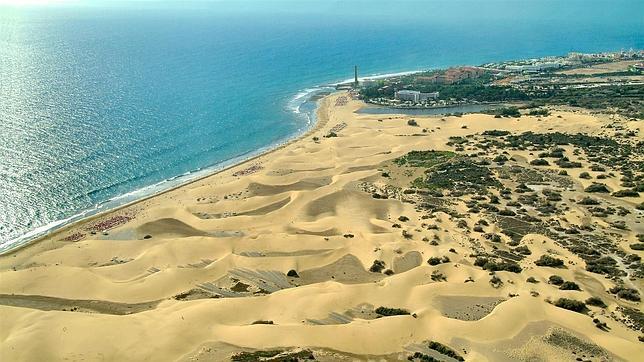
(100, 104)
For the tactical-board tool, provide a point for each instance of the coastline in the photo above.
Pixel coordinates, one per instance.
(316, 93)
(279, 254)
(313, 126)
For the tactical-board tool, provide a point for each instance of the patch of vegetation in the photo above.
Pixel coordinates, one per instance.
(555, 280)
(421, 357)
(388, 312)
(495, 133)
(506, 112)
(626, 293)
(568, 285)
(273, 355)
(550, 261)
(539, 112)
(571, 304)
(634, 316)
(444, 350)
(626, 193)
(433, 261)
(424, 158)
(596, 302)
(491, 265)
(458, 174)
(602, 265)
(539, 162)
(377, 266)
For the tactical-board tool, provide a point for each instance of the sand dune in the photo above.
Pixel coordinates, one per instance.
(296, 250)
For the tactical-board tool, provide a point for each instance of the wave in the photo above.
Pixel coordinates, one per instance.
(303, 105)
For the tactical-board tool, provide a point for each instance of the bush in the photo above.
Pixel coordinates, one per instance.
(444, 350)
(571, 304)
(523, 250)
(495, 133)
(491, 265)
(585, 175)
(597, 187)
(388, 312)
(532, 280)
(588, 201)
(626, 193)
(377, 267)
(422, 357)
(292, 273)
(539, 162)
(555, 280)
(626, 293)
(412, 122)
(500, 159)
(637, 246)
(569, 286)
(547, 260)
(596, 302)
(603, 265)
(434, 261)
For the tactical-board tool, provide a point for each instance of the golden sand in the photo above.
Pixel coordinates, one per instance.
(197, 269)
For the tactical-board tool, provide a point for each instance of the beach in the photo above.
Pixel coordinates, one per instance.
(295, 249)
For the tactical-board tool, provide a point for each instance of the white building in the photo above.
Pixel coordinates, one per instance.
(425, 96)
(533, 67)
(408, 95)
(415, 96)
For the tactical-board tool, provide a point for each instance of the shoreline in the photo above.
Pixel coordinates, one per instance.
(313, 127)
(327, 223)
(317, 93)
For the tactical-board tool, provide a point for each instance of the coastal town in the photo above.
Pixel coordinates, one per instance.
(550, 79)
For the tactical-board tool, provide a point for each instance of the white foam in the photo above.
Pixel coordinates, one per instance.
(294, 105)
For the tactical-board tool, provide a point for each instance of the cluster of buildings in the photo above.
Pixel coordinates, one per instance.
(415, 96)
(453, 75)
(534, 67)
(624, 54)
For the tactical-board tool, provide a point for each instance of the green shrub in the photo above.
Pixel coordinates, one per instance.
(555, 280)
(444, 350)
(597, 187)
(417, 356)
(571, 304)
(495, 133)
(626, 293)
(596, 302)
(388, 312)
(626, 193)
(377, 267)
(547, 260)
(569, 286)
(539, 162)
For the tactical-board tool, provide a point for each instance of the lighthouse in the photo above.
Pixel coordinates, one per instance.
(355, 73)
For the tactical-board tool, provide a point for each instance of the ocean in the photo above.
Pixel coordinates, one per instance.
(104, 102)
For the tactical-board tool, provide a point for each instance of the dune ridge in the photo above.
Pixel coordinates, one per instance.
(295, 251)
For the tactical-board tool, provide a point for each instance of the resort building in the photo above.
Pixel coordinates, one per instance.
(537, 67)
(415, 96)
(454, 75)
(408, 95)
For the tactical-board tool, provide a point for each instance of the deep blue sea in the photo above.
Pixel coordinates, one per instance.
(102, 102)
